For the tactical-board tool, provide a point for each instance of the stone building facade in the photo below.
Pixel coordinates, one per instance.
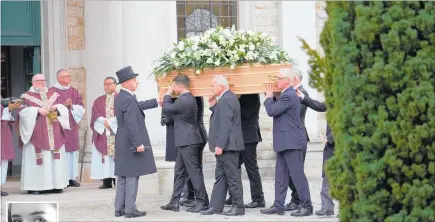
(93, 39)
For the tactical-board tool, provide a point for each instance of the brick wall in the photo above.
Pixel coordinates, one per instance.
(76, 43)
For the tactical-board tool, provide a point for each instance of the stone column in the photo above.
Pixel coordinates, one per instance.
(148, 32)
(103, 55)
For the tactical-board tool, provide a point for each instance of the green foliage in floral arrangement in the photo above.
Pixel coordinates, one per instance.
(221, 47)
(380, 62)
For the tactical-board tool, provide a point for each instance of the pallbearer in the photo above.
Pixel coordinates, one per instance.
(70, 97)
(103, 125)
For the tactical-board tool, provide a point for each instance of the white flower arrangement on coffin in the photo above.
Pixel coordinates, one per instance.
(221, 47)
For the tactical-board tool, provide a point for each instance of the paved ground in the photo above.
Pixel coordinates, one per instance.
(87, 203)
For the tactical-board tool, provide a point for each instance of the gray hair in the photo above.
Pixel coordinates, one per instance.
(37, 74)
(291, 73)
(60, 71)
(222, 81)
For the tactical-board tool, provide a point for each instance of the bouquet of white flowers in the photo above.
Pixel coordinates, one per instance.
(220, 47)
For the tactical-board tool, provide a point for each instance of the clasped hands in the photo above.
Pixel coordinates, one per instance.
(45, 111)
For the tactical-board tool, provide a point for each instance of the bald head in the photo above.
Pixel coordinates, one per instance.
(38, 82)
(63, 77)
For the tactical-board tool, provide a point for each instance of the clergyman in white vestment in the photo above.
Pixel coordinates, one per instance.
(41, 122)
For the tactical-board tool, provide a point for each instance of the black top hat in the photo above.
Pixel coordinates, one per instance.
(125, 74)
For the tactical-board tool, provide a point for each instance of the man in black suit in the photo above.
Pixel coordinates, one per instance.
(289, 141)
(328, 152)
(226, 141)
(187, 139)
(134, 156)
(250, 109)
(189, 191)
(171, 149)
(297, 84)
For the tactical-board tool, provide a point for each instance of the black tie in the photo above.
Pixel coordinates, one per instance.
(134, 96)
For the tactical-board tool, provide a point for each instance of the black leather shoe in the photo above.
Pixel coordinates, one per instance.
(254, 204)
(229, 201)
(173, 207)
(190, 205)
(185, 201)
(324, 212)
(273, 210)
(119, 213)
(102, 187)
(4, 194)
(33, 192)
(211, 211)
(57, 191)
(234, 211)
(291, 206)
(73, 183)
(135, 214)
(303, 211)
(197, 208)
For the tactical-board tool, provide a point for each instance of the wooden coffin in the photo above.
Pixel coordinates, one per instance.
(244, 79)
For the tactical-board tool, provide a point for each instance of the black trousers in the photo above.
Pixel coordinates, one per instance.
(189, 191)
(187, 166)
(227, 176)
(294, 195)
(248, 157)
(289, 163)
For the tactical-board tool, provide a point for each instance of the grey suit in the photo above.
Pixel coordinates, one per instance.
(289, 140)
(328, 152)
(189, 191)
(187, 139)
(250, 109)
(294, 194)
(226, 133)
(130, 164)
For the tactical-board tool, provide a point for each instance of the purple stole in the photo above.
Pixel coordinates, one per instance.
(46, 135)
(71, 136)
(99, 110)
(7, 147)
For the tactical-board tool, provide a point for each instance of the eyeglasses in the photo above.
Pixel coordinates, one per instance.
(280, 78)
(109, 84)
(39, 81)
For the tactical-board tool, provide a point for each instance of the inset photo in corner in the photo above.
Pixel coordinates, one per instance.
(32, 211)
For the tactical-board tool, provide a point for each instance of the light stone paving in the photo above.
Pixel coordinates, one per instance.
(87, 203)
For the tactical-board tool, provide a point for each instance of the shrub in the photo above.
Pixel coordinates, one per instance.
(379, 78)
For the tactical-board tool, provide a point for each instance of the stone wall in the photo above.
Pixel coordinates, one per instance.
(76, 47)
(267, 14)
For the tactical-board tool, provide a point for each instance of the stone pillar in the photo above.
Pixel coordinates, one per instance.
(298, 19)
(76, 49)
(103, 55)
(148, 33)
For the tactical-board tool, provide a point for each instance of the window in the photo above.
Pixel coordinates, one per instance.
(196, 17)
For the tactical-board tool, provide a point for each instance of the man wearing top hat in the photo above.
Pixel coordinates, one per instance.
(134, 156)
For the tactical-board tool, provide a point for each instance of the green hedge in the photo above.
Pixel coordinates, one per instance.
(379, 87)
